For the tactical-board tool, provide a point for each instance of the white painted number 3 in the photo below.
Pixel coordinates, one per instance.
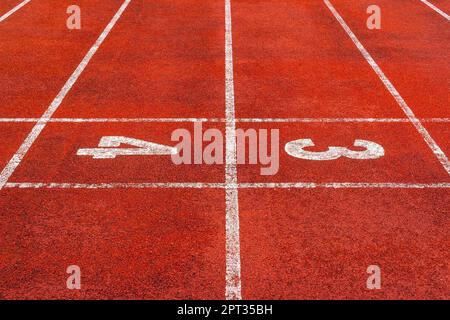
(296, 149)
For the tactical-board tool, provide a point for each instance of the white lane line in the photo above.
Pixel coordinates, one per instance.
(16, 8)
(99, 120)
(387, 83)
(40, 125)
(432, 6)
(205, 185)
(344, 185)
(240, 120)
(137, 120)
(115, 185)
(337, 120)
(233, 255)
(19, 120)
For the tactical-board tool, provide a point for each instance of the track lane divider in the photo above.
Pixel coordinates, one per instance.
(240, 120)
(209, 185)
(233, 255)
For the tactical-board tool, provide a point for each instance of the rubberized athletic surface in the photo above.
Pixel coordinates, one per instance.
(142, 227)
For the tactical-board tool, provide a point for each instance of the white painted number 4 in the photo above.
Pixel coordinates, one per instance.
(108, 148)
(296, 149)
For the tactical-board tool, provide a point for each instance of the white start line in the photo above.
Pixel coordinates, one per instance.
(222, 120)
(244, 185)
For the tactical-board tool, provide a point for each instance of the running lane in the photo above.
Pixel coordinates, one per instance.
(318, 244)
(412, 48)
(38, 53)
(177, 70)
(165, 59)
(54, 157)
(294, 60)
(143, 244)
(406, 157)
(160, 59)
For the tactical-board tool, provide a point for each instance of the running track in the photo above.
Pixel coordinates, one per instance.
(142, 227)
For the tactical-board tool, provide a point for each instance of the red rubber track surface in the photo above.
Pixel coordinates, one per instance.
(320, 243)
(7, 5)
(39, 53)
(412, 52)
(166, 59)
(443, 5)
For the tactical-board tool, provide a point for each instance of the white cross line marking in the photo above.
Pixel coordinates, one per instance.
(114, 185)
(337, 120)
(40, 125)
(344, 185)
(19, 120)
(240, 120)
(109, 147)
(432, 6)
(163, 120)
(233, 255)
(440, 155)
(16, 8)
(206, 185)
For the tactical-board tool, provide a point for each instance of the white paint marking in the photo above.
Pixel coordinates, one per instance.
(18, 120)
(296, 149)
(344, 185)
(162, 120)
(432, 6)
(241, 120)
(42, 122)
(337, 120)
(201, 185)
(115, 185)
(13, 10)
(233, 255)
(387, 83)
(109, 148)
